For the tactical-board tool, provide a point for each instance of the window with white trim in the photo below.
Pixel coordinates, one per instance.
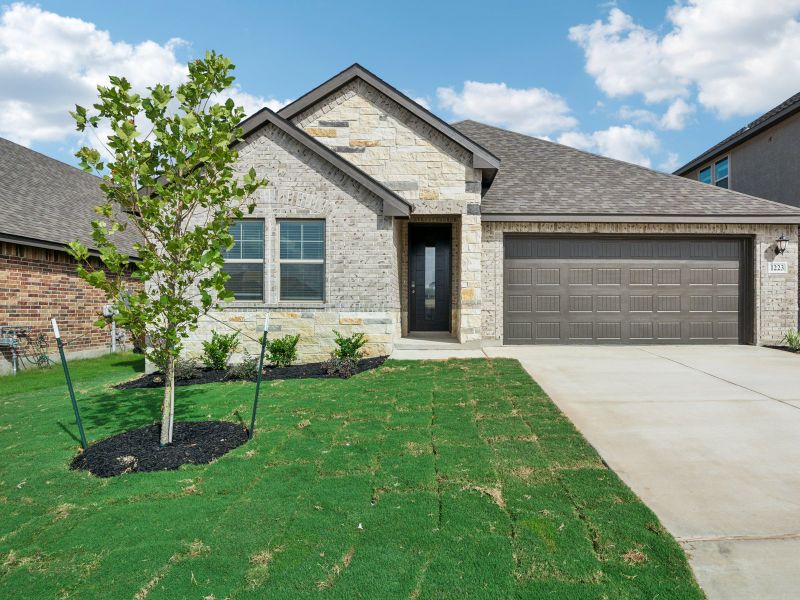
(302, 260)
(245, 261)
(716, 174)
(721, 173)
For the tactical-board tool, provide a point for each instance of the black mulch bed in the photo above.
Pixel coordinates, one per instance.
(195, 443)
(307, 371)
(784, 348)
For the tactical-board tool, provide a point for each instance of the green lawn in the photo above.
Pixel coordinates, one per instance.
(416, 480)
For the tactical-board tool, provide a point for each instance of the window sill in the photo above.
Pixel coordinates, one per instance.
(282, 305)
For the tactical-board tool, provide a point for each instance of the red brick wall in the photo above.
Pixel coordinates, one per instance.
(38, 284)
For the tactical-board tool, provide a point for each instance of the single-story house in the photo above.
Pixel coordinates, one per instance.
(380, 217)
(44, 205)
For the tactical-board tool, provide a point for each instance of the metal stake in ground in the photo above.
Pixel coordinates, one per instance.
(69, 383)
(258, 376)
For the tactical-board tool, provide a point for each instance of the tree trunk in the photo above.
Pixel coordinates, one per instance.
(168, 408)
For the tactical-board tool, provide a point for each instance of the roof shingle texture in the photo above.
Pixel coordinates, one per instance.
(788, 106)
(49, 201)
(545, 178)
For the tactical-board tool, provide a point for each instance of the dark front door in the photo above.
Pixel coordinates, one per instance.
(429, 277)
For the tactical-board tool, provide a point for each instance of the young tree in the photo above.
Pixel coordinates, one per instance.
(176, 186)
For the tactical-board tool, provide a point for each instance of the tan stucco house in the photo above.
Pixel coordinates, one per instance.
(382, 218)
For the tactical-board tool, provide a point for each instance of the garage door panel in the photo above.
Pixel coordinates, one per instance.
(581, 276)
(548, 276)
(548, 331)
(548, 304)
(622, 291)
(519, 276)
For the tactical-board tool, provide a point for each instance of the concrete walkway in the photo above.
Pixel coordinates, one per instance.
(707, 436)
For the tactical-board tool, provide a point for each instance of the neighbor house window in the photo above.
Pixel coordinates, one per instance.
(302, 260)
(245, 261)
(718, 175)
(721, 173)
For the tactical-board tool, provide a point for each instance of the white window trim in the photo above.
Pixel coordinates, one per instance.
(714, 178)
(261, 261)
(304, 261)
(712, 167)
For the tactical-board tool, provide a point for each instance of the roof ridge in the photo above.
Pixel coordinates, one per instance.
(251, 124)
(486, 158)
(629, 164)
(55, 161)
(789, 106)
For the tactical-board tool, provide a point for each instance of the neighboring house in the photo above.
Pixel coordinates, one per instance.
(44, 205)
(382, 218)
(760, 159)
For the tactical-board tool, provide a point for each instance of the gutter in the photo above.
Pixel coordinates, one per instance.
(745, 135)
(666, 219)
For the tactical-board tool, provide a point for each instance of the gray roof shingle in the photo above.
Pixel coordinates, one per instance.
(773, 116)
(48, 202)
(556, 182)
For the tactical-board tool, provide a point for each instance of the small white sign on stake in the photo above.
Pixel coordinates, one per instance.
(778, 267)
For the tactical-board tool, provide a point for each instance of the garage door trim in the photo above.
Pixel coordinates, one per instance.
(625, 253)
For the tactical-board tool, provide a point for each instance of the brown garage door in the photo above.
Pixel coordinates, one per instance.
(562, 290)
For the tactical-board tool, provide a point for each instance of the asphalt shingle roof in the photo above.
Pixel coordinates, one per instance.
(48, 201)
(537, 177)
(785, 109)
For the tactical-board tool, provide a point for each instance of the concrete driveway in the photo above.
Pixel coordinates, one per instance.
(707, 436)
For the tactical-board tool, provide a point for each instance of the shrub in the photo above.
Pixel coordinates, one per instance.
(349, 346)
(283, 351)
(217, 351)
(343, 367)
(185, 368)
(246, 369)
(792, 339)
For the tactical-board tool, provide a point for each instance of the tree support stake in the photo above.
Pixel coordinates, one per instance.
(258, 377)
(69, 383)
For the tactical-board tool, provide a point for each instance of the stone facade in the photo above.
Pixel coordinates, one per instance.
(775, 303)
(367, 253)
(361, 270)
(422, 166)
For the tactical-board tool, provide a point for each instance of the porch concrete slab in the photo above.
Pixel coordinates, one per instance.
(746, 569)
(704, 437)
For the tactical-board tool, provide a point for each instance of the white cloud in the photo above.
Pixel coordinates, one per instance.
(670, 163)
(534, 111)
(740, 57)
(625, 142)
(251, 103)
(677, 114)
(423, 102)
(675, 117)
(625, 58)
(49, 63)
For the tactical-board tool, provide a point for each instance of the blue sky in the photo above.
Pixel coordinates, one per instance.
(651, 82)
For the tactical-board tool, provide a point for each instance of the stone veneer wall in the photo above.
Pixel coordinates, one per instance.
(776, 296)
(421, 165)
(361, 287)
(395, 147)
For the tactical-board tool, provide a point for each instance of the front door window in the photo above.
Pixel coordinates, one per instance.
(430, 282)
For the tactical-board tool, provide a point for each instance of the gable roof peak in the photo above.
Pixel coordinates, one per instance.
(481, 157)
(393, 205)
